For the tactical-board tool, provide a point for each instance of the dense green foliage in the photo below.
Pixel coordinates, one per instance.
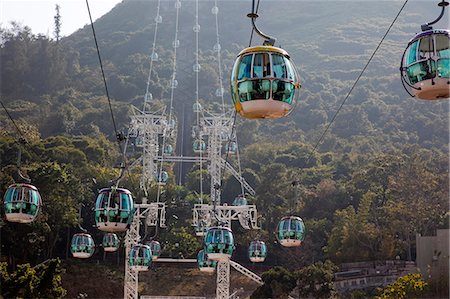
(40, 281)
(379, 177)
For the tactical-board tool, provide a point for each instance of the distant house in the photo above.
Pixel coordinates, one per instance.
(370, 275)
(433, 254)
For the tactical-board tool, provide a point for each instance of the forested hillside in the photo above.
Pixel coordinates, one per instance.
(379, 177)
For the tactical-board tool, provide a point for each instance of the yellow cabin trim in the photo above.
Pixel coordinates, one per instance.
(263, 49)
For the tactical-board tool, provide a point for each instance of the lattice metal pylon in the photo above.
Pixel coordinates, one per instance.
(132, 237)
(223, 280)
(147, 127)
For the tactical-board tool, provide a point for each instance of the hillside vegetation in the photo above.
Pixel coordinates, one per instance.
(379, 177)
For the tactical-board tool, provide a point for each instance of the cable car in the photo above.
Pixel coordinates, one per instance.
(21, 203)
(162, 178)
(155, 247)
(83, 246)
(199, 146)
(219, 243)
(172, 123)
(168, 150)
(425, 65)
(139, 141)
(140, 257)
(114, 210)
(231, 147)
(197, 107)
(291, 231)
(257, 251)
(110, 242)
(425, 68)
(240, 200)
(264, 83)
(204, 264)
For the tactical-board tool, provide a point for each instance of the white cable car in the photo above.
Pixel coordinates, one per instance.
(140, 257)
(204, 264)
(219, 243)
(155, 247)
(83, 246)
(114, 210)
(264, 79)
(110, 242)
(21, 203)
(257, 251)
(291, 231)
(425, 65)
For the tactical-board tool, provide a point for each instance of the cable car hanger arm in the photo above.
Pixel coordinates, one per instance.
(428, 26)
(269, 41)
(19, 158)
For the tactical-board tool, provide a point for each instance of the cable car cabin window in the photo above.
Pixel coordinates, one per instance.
(11, 195)
(279, 66)
(218, 237)
(261, 65)
(443, 51)
(426, 48)
(102, 200)
(412, 53)
(245, 67)
(443, 67)
(254, 90)
(209, 237)
(115, 200)
(422, 70)
(442, 46)
(228, 238)
(124, 203)
(290, 69)
(282, 91)
(34, 197)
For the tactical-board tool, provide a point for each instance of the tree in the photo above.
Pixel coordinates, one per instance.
(278, 283)
(57, 18)
(40, 281)
(317, 280)
(408, 286)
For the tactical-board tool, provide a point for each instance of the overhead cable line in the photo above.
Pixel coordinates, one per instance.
(119, 136)
(356, 82)
(22, 139)
(217, 48)
(153, 56)
(173, 85)
(197, 69)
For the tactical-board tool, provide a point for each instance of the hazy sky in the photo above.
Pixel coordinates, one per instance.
(38, 14)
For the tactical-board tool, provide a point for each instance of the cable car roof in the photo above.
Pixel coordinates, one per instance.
(291, 217)
(18, 185)
(429, 32)
(123, 190)
(264, 49)
(221, 228)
